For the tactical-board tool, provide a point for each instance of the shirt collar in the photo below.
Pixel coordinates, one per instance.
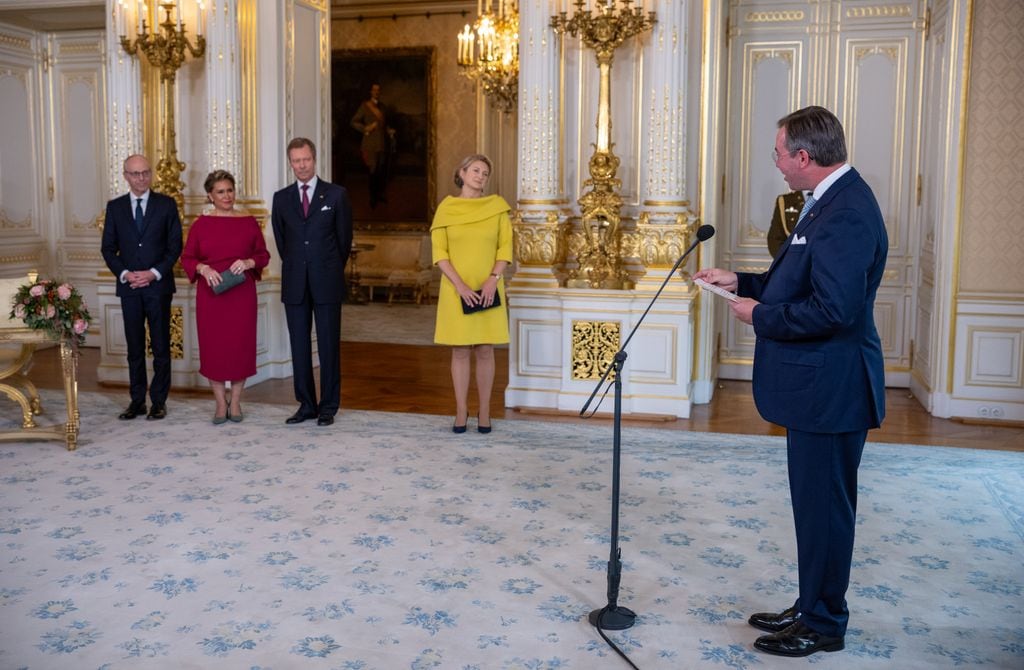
(824, 184)
(312, 186)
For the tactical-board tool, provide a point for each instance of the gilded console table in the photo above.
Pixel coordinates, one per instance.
(16, 348)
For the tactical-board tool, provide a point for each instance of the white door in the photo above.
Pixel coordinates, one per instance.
(862, 62)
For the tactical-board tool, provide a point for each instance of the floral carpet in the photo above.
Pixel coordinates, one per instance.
(387, 542)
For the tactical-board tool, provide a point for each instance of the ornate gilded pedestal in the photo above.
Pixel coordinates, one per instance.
(16, 348)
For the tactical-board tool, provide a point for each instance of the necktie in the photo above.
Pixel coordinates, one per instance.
(138, 214)
(305, 200)
(807, 207)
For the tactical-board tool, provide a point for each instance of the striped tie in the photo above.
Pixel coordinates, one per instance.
(807, 207)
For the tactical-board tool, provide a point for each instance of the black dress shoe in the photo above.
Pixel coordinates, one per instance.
(156, 412)
(299, 417)
(132, 412)
(797, 640)
(773, 623)
(325, 420)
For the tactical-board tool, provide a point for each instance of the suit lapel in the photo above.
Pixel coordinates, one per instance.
(812, 215)
(316, 202)
(148, 215)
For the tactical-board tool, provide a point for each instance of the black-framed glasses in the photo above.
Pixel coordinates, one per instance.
(138, 175)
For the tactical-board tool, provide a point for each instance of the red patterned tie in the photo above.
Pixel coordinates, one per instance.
(305, 200)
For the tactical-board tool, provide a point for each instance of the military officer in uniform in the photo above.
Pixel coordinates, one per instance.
(787, 211)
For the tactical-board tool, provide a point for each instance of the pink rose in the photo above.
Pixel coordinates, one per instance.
(51, 311)
(37, 290)
(19, 311)
(80, 326)
(64, 291)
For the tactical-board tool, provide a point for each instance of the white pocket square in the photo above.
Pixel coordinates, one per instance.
(798, 240)
(325, 208)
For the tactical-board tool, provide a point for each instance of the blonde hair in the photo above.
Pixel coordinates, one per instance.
(469, 160)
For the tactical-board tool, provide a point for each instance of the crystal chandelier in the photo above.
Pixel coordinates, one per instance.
(489, 51)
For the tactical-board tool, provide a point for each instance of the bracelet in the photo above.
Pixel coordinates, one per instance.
(496, 275)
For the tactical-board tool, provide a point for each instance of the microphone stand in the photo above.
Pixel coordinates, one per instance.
(613, 616)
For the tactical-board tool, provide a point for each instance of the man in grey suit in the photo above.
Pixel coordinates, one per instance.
(141, 243)
(312, 221)
(818, 367)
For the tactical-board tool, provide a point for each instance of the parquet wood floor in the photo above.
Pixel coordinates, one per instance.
(409, 378)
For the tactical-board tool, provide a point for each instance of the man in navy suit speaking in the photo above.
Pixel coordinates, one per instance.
(312, 222)
(818, 368)
(141, 243)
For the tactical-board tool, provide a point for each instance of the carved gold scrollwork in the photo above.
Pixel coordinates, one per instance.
(594, 345)
(177, 334)
(539, 243)
(661, 244)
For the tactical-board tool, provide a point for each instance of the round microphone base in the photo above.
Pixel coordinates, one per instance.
(612, 618)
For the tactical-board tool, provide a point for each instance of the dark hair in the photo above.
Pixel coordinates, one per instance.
(818, 132)
(469, 160)
(216, 176)
(300, 142)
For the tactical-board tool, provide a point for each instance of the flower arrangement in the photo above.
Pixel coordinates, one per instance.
(56, 307)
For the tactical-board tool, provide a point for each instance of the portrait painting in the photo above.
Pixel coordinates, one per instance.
(383, 134)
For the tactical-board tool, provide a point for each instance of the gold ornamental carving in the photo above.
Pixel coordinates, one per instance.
(539, 243)
(597, 245)
(177, 334)
(775, 17)
(166, 52)
(594, 345)
(661, 244)
(878, 12)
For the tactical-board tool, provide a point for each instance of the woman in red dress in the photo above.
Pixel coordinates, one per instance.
(221, 242)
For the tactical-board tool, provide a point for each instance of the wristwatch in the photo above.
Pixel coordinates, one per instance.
(496, 275)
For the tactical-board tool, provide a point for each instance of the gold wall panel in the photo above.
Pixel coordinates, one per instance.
(594, 345)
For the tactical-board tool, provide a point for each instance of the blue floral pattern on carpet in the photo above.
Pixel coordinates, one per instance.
(386, 542)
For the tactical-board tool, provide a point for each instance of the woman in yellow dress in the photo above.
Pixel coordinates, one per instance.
(471, 238)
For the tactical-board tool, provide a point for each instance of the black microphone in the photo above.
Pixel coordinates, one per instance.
(705, 232)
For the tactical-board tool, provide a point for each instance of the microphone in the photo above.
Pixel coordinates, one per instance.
(705, 232)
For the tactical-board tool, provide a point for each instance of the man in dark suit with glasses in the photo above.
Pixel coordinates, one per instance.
(141, 243)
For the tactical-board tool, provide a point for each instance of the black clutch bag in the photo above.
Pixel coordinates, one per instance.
(228, 281)
(469, 309)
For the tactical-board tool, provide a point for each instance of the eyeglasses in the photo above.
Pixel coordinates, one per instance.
(138, 175)
(776, 155)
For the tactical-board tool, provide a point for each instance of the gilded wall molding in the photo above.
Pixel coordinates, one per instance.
(785, 55)
(8, 224)
(22, 43)
(28, 257)
(775, 17)
(92, 47)
(878, 11)
(249, 52)
(890, 52)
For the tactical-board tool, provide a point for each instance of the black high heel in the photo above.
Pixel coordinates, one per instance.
(458, 430)
(481, 429)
